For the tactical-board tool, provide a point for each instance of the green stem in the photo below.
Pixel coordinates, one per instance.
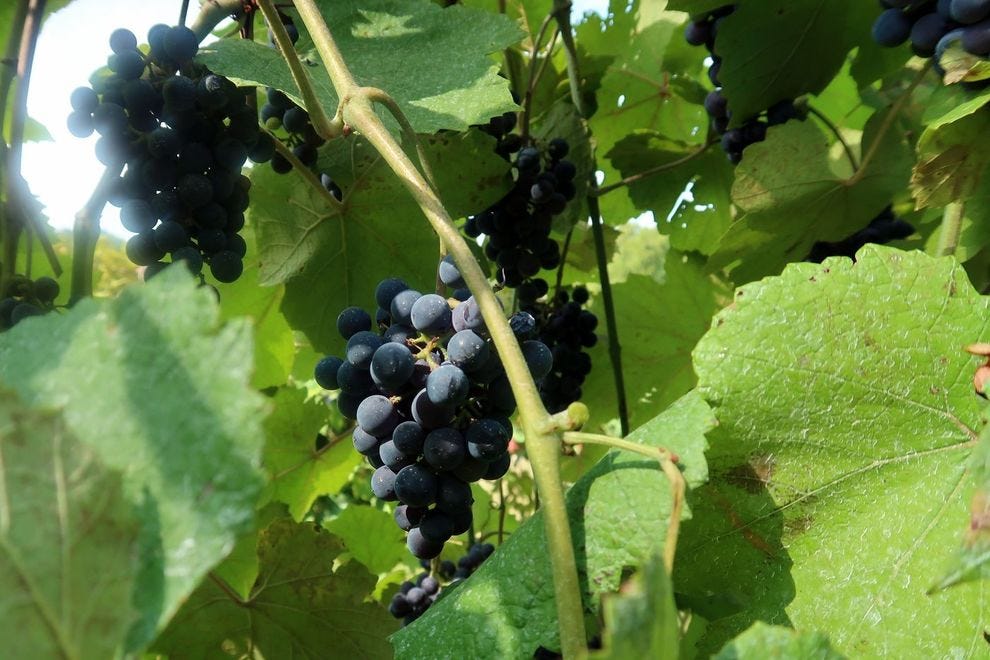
(542, 443)
(823, 118)
(562, 12)
(8, 72)
(304, 172)
(380, 96)
(667, 461)
(211, 12)
(324, 127)
(950, 230)
(183, 12)
(85, 234)
(563, 261)
(527, 104)
(888, 122)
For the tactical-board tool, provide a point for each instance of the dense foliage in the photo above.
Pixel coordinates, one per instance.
(396, 363)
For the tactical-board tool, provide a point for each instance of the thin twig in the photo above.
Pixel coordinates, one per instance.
(667, 462)
(562, 12)
(837, 133)
(634, 178)
(501, 511)
(380, 96)
(531, 78)
(304, 171)
(183, 12)
(563, 261)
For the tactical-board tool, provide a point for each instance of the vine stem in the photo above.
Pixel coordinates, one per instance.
(527, 104)
(85, 234)
(664, 167)
(888, 122)
(542, 441)
(823, 118)
(323, 125)
(951, 229)
(562, 12)
(667, 461)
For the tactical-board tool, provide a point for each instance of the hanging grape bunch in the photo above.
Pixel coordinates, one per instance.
(934, 27)
(24, 298)
(415, 597)
(567, 330)
(183, 134)
(431, 400)
(703, 31)
(518, 225)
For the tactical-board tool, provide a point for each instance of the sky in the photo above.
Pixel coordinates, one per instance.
(73, 43)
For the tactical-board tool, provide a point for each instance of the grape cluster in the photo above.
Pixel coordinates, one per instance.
(280, 113)
(518, 225)
(24, 298)
(431, 400)
(933, 27)
(884, 228)
(414, 598)
(567, 330)
(184, 134)
(702, 31)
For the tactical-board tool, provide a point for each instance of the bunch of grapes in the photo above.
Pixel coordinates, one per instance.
(702, 31)
(414, 598)
(518, 225)
(24, 298)
(431, 400)
(884, 228)
(933, 27)
(567, 330)
(184, 134)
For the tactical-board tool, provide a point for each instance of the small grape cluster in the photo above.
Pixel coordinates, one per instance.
(884, 228)
(184, 134)
(518, 225)
(24, 298)
(702, 31)
(933, 27)
(431, 400)
(414, 598)
(567, 330)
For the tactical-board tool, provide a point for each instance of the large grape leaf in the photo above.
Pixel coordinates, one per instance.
(331, 257)
(159, 389)
(839, 468)
(761, 642)
(655, 84)
(298, 471)
(641, 621)
(300, 606)
(401, 46)
(952, 161)
(948, 103)
(371, 536)
(618, 512)
(68, 540)
(696, 220)
(793, 194)
(659, 324)
(780, 49)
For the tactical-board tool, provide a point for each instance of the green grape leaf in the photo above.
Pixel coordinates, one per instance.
(331, 257)
(642, 89)
(298, 471)
(68, 538)
(873, 62)
(765, 642)
(618, 512)
(159, 388)
(777, 50)
(793, 194)
(274, 346)
(300, 606)
(952, 160)
(371, 536)
(846, 421)
(696, 220)
(949, 103)
(434, 92)
(656, 354)
(641, 621)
